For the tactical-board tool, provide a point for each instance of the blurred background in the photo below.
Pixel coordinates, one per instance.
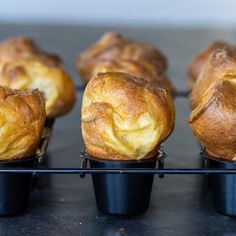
(132, 12)
(179, 28)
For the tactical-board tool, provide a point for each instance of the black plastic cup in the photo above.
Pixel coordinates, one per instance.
(223, 187)
(15, 188)
(122, 194)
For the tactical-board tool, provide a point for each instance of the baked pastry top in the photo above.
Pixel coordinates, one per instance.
(124, 117)
(222, 62)
(24, 66)
(213, 102)
(16, 48)
(22, 118)
(53, 81)
(200, 60)
(213, 121)
(137, 69)
(120, 51)
(114, 53)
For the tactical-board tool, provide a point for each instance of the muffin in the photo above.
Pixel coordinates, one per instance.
(221, 63)
(214, 119)
(124, 117)
(22, 118)
(213, 102)
(114, 53)
(16, 48)
(201, 59)
(24, 66)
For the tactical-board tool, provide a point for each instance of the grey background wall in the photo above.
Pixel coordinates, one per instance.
(121, 12)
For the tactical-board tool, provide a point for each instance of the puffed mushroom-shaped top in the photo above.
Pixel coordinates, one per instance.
(22, 118)
(124, 117)
(213, 121)
(52, 80)
(221, 62)
(200, 60)
(20, 47)
(124, 53)
(23, 66)
(138, 69)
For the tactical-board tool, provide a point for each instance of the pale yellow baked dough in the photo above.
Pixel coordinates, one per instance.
(22, 118)
(24, 66)
(124, 117)
(114, 53)
(53, 81)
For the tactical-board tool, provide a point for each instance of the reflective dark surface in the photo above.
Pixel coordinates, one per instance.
(65, 204)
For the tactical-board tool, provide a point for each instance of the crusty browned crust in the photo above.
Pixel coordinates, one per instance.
(200, 60)
(22, 118)
(53, 81)
(124, 117)
(24, 66)
(221, 62)
(16, 48)
(213, 121)
(114, 53)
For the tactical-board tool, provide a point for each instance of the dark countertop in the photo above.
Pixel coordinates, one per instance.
(65, 204)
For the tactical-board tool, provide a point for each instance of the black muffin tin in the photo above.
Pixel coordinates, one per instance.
(222, 186)
(221, 176)
(15, 188)
(123, 194)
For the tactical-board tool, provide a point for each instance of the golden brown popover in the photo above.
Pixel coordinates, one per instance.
(53, 81)
(213, 121)
(222, 62)
(113, 47)
(114, 53)
(16, 48)
(136, 69)
(24, 66)
(22, 118)
(200, 60)
(124, 117)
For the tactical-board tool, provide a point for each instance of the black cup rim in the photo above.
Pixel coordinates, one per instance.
(20, 160)
(209, 157)
(156, 158)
